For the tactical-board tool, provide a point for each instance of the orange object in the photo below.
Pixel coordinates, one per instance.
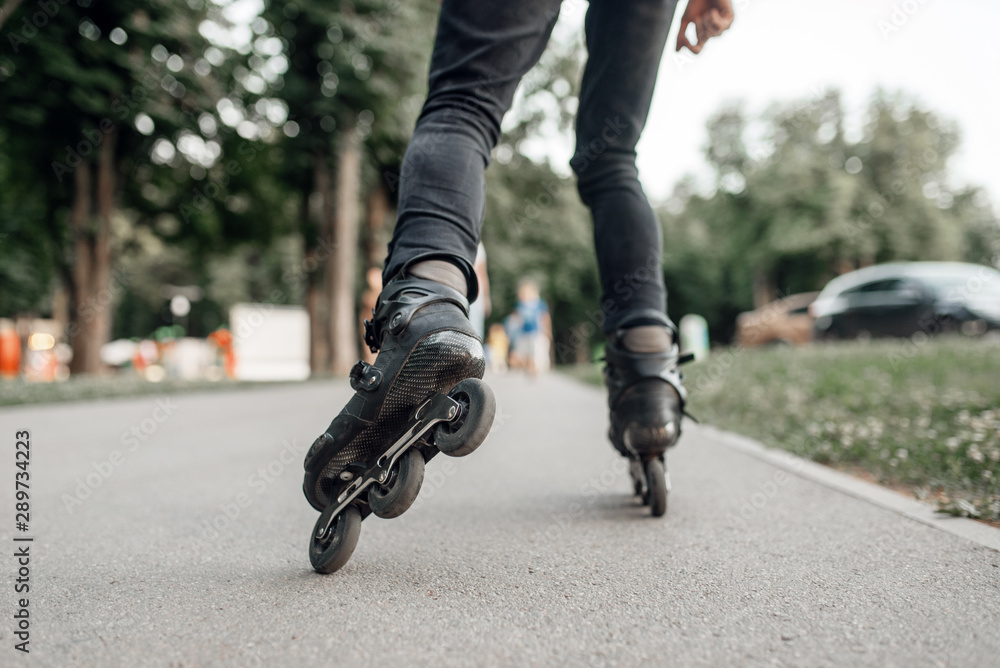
(138, 361)
(224, 339)
(10, 353)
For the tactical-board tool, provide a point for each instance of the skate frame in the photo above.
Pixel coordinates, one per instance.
(439, 408)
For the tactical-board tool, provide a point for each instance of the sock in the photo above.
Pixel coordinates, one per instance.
(443, 272)
(646, 339)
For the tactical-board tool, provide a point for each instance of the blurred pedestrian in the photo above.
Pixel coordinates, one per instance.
(535, 334)
(497, 348)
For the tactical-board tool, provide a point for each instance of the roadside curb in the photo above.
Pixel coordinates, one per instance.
(971, 530)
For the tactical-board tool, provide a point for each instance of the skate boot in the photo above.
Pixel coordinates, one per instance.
(646, 396)
(423, 395)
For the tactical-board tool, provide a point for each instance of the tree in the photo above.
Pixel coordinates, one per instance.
(82, 89)
(806, 204)
(353, 70)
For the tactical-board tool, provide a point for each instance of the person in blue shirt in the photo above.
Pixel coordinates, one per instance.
(534, 337)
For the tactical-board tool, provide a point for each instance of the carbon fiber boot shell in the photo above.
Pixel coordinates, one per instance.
(426, 344)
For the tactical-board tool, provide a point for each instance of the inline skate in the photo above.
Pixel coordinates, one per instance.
(646, 397)
(423, 395)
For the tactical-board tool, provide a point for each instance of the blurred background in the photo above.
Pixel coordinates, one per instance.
(200, 189)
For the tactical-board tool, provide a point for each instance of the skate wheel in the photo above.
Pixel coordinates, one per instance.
(329, 553)
(463, 435)
(656, 487)
(400, 491)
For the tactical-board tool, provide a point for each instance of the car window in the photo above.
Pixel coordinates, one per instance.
(876, 286)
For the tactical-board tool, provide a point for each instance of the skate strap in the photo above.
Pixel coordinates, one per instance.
(400, 300)
(683, 359)
(625, 368)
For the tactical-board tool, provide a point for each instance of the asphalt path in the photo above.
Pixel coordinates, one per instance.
(173, 531)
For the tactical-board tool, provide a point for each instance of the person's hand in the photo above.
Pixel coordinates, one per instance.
(710, 19)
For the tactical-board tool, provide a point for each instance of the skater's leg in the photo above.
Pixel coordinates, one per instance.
(481, 52)
(420, 325)
(625, 43)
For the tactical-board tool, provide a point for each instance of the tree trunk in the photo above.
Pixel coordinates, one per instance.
(319, 353)
(377, 209)
(843, 266)
(90, 290)
(343, 261)
(315, 262)
(763, 291)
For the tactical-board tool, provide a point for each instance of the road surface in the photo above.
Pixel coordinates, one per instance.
(173, 531)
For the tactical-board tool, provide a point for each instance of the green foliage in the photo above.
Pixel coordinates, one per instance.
(920, 414)
(351, 66)
(546, 100)
(26, 262)
(129, 72)
(807, 204)
(59, 85)
(91, 388)
(535, 226)
(195, 144)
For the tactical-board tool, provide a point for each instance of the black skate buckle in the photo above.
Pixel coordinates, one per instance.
(365, 377)
(370, 339)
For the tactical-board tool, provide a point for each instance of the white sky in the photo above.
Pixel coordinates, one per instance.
(946, 55)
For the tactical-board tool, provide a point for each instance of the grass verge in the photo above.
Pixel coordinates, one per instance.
(16, 392)
(922, 415)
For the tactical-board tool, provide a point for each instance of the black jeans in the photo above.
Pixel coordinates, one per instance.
(482, 50)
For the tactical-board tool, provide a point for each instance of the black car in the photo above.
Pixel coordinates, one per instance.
(903, 298)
